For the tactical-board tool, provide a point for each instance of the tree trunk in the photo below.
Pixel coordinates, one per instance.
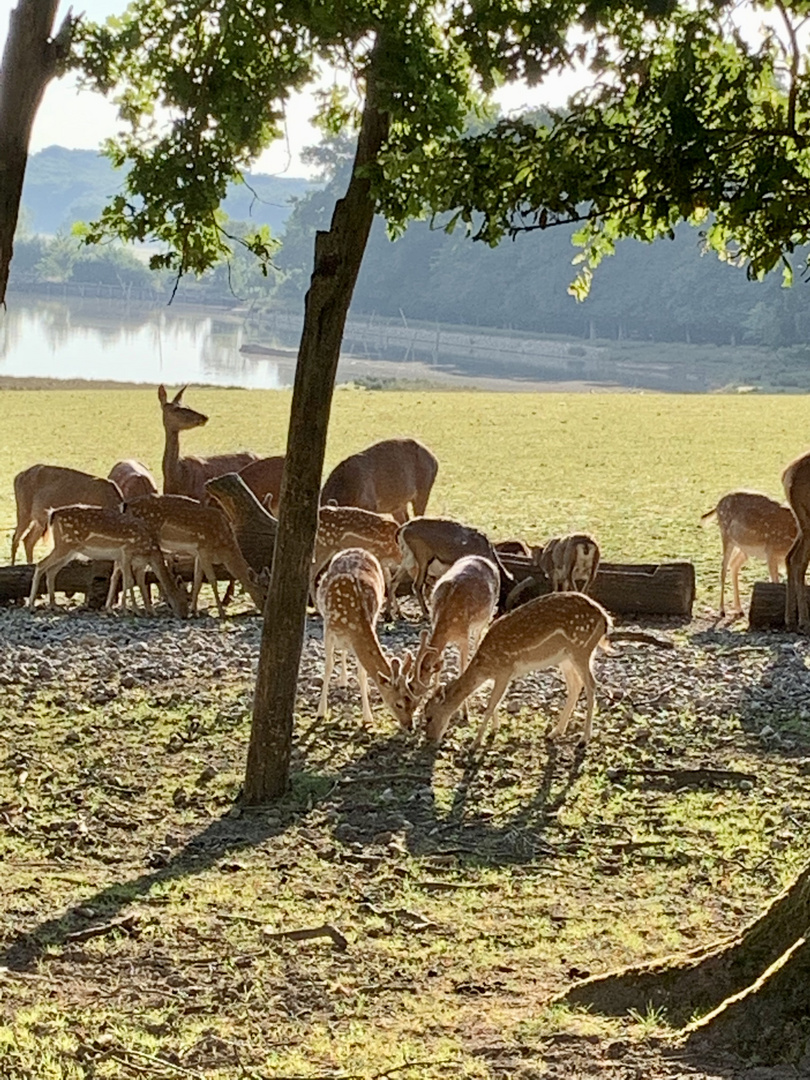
(338, 255)
(30, 61)
(757, 984)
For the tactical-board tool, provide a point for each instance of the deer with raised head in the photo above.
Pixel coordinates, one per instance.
(434, 544)
(569, 562)
(183, 526)
(100, 533)
(751, 526)
(342, 527)
(42, 488)
(263, 477)
(462, 605)
(349, 597)
(387, 477)
(187, 475)
(796, 482)
(559, 630)
(133, 478)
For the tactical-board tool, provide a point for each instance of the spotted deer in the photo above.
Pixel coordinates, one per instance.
(559, 630)
(342, 527)
(100, 533)
(751, 526)
(349, 597)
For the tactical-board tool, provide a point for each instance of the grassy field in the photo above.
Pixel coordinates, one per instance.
(637, 470)
(140, 907)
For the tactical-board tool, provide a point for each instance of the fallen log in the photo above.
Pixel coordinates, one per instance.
(623, 588)
(90, 578)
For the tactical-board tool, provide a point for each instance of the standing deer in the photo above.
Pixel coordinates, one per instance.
(342, 527)
(187, 475)
(751, 526)
(430, 544)
(796, 481)
(101, 533)
(350, 595)
(45, 487)
(385, 477)
(569, 562)
(560, 630)
(133, 479)
(263, 477)
(185, 527)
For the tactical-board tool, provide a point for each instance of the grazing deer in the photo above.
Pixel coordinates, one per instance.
(43, 488)
(133, 479)
(431, 544)
(751, 526)
(263, 477)
(513, 547)
(342, 527)
(385, 478)
(462, 605)
(569, 562)
(349, 597)
(101, 533)
(796, 482)
(560, 630)
(183, 526)
(187, 476)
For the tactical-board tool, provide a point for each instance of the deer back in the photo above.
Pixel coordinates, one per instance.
(133, 478)
(43, 487)
(756, 523)
(384, 477)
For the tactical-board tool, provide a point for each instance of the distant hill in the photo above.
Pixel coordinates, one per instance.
(63, 186)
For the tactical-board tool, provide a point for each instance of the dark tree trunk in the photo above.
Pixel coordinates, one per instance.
(30, 60)
(753, 988)
(338, 255)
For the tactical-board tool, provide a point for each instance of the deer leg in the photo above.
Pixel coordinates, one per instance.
(329, 663)
(343, 681)
(573, 684)
(211, 577)
(362, 679)
(146, 592)
(498, 690)
(50, 566)
(727, 551)
(115, 577)
(32, 538)
(196, 584)
(773, 567)
(463, 660)
(391, 592)
(796, 604)
(737, 560)
(419, 588)
(590, 701)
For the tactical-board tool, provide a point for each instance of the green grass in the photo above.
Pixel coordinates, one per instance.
(469, 891)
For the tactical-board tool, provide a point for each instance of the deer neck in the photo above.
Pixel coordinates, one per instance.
(172, 479)
(171, 589)
(369, 653)
(467, 683)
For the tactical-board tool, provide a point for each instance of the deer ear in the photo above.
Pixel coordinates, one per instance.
(176, 400)
(162, 397)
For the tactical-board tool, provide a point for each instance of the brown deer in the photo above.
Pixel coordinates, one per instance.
(183, 526)
(385, 477)
(462, 605)
(796, 482)
(560, 630)
(187, 475)
(43, 488)
(133, 479)
(569, 562)
(751, 526)
(102, 533)
(342, 527)
(349, 597)
(263, 477)
(434, 544)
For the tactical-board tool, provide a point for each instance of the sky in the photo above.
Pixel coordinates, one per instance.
(82, 119)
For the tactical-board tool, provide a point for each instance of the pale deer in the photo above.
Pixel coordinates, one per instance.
(263, 477)
(796, 481)
(751, 526)
(133, 478)
(187, 475)
(385, 477)
(342, 527)
(100, 533)
(462, 605)
(43, 488)
(569, 562)
(560, 630)
(434, 544)
(349, 597)
(183, 526)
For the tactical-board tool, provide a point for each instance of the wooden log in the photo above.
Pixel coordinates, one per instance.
(625, 588)
(767, 611)
(255, 529)
(90, 578)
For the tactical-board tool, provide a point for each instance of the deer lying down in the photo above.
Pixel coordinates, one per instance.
(434, 544)
(560, 630)
(350, 595)
(751, 525)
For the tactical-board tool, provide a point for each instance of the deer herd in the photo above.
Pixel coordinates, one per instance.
(367, 546)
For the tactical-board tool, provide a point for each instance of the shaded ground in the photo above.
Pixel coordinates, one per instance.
(143, 914)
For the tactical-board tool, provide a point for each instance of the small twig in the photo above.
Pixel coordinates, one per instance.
(642, 636)
(439, 886)
(127, 923)
(681, 776)
(327, 930)
(421, 1064)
